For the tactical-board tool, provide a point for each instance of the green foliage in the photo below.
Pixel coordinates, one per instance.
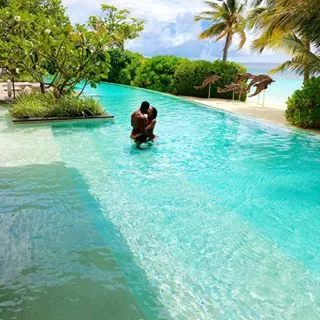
(290, 26)
(36, 38)
(157, 73)
(123, 66)
(23, 27)
(33, 105)
(21, 77)
(119, 25)
(3, 3)
(79, 55)
(192, 73)
(303, 107)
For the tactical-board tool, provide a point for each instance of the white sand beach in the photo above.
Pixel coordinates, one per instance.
(274, 113)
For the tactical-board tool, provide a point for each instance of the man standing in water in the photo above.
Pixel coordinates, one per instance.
(139, 122)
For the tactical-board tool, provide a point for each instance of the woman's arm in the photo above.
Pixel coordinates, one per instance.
(151, 125)
(135, 136)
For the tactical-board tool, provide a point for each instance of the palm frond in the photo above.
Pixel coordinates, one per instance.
(198, 18)
(288, 43)
(232, 5)
(256, 3)
(243, 38)
(254, 16)
(214, 30)
(281, 68)
(222, 35)
(227, 20)
(293, 65)
(241, 7)
(212, 5)
(225, 7)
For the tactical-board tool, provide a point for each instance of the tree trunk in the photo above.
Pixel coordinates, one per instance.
(14, 89)
(226, 47)
(86, 83)
(306, 71)
(42, 87)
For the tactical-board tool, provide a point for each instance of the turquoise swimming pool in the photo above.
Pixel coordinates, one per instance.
(220, 219)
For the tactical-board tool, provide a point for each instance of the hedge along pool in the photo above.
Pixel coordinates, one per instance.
(220, 219)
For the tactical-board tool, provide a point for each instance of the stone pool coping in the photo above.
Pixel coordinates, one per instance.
(101, 118)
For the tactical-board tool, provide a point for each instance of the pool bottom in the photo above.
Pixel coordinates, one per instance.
(57, 250)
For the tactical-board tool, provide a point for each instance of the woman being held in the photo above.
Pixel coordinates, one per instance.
(148, 135)
(152, 115)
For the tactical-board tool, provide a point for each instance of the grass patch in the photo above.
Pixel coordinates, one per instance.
(37, 105)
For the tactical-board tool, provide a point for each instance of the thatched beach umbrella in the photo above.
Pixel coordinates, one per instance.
(234, 88)
(208, 82)
(261, 83)
(244, 77)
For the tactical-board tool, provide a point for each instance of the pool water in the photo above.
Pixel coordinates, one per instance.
(219, 219)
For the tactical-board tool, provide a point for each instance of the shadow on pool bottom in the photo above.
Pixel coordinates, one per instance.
(60, 258)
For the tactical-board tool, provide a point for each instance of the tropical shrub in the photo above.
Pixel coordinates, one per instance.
(157, 73)
(192, 73)
(123, 66)
(34, 105)
(303, 107)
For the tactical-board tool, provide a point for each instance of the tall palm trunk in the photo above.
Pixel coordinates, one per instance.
(226, 47)
(306, 71)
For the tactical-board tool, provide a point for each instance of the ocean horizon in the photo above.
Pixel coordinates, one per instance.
(278, 92)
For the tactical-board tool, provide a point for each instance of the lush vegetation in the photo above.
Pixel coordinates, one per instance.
(123, 66)
(38, 41)
(290, 26)
(192, 73)
(172, 74)
(304, 105)
(33, 105)
(227, 19)
(157, 73)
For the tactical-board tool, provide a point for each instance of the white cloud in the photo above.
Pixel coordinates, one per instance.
(169, 29)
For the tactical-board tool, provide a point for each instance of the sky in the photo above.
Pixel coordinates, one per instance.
(170, 29)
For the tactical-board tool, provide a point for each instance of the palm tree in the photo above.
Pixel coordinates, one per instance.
(282, 27)
(228, 20)
(303, 61)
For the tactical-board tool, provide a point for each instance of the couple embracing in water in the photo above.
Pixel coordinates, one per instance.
(143, 122)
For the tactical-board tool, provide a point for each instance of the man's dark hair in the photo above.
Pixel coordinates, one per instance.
(145, 106)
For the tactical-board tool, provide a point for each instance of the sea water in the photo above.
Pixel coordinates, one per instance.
(278, 92)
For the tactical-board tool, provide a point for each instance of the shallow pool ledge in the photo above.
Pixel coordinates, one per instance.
(25, 145)
(95, 119)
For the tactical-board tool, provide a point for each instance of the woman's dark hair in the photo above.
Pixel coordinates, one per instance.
(154, 113)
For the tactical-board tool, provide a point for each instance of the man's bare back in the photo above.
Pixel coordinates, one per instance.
(139, 122)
